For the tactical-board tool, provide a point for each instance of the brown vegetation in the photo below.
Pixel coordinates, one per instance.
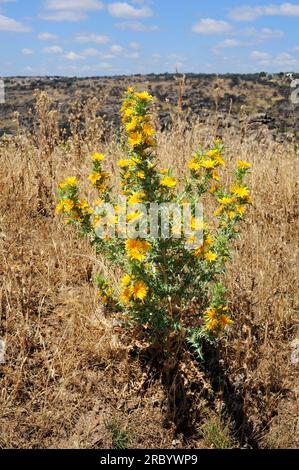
(73, 378)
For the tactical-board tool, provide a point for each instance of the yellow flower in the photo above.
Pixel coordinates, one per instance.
(208, 239)
(59, 207)
(225, 200)
(215, 175)
(240, 209)
(135, 139)
(148, 130)
(97, 157)
(102, 188)
(212, 324)
(219, 211)
(220, 161)
(130, 89)
(134, 216)
(124, 163)
(168, 181)
(212, 153)
(144, 96)
(211, 313)
(243, 165)
(141, 175)
(139, 290)
(210, 256)
(125, 296)
(137, 248)
(231, 215)
(136, 198)
(163, 171)
(83, 204)
(128, 112)
(68, 205)
(125, 280)
(95, 177)
(131, 126)
(208, 163)
(225, 321)
(194, 165)
(71, 181)
(240, 191)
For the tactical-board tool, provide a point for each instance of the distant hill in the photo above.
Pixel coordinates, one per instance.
(250, 101)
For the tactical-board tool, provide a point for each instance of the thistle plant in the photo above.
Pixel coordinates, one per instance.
(170, 284)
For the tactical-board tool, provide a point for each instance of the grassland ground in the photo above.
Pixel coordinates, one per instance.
(73, 378)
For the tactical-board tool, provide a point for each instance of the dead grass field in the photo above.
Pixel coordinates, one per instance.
(73, 378)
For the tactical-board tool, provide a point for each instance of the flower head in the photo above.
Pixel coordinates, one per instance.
(137, 249)
(139, 290)
(240, 191)
(70, 181)
(168, 182)
(210, 256)
(135, 139)
(97, 157)
(144, 96)
(242, 165)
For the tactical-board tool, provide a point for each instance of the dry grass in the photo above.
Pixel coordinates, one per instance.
(70, 371)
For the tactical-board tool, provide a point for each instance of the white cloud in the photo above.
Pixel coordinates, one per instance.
(124, 10)
(9, 24)
(79, 70)
(73, 56)
(47, 37)
(69, 10)
(262, 34)
(116, 49)
(71, 5)
(108, 56)
(26, 51)
(53, 50)
(210, 26)
(64, 16)
(137, 26)
(229, 43)
(250, 13)
(85, 38)
(132, 55)
(259, 55)
(134, 45)
(285, 58)
(282, 60)
(91, 52)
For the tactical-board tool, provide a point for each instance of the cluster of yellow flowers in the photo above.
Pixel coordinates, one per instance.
(216, 318)
(132, 289)
(210, 161)
(162, 276)
(137, 248)
(76, 209)
(98, 177)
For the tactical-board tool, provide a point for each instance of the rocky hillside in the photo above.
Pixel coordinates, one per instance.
(250, 102)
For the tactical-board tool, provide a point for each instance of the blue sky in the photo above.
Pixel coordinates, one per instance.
(101, 37)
